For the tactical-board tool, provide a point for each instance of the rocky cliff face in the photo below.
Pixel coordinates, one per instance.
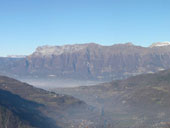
(89, 61)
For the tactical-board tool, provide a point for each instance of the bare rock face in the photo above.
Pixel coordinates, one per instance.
(90, 61)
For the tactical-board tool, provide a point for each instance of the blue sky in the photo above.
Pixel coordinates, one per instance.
(26, 24)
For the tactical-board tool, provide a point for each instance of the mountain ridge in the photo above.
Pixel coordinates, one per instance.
(88, 62)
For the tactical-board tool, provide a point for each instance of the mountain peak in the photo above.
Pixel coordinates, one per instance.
(160, 44)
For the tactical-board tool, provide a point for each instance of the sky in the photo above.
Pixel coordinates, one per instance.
(27, 24)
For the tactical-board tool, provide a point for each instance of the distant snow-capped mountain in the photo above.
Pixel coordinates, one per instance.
(160, 44)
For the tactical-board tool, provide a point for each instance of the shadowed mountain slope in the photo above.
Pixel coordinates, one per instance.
(16, 112)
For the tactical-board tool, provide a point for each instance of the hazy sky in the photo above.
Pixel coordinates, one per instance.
(26, 24)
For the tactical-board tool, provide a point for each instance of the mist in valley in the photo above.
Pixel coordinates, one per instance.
(53, 83)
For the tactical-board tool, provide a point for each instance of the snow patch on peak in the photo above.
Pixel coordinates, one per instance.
(160, 44)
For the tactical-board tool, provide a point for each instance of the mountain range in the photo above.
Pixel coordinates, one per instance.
(88, 61)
